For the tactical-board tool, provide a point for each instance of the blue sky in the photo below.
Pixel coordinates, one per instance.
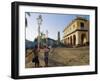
(51, 23)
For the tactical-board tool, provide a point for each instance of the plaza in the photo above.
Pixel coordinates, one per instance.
(69, 45)
(62, 57)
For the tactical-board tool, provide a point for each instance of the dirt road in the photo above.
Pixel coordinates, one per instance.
(62, 57)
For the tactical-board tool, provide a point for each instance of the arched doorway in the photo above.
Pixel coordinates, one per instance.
(74, 40)
(66, 41)
(83, 39)
(70, 40)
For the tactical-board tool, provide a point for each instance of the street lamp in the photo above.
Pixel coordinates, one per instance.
(39, 20)
(47, 37)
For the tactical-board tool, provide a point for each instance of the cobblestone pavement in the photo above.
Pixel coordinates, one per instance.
(61, 57)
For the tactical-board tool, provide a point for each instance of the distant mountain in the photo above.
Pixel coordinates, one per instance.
(29, 44)
(52, 42)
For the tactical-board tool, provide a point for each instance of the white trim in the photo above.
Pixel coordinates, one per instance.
(53, 70)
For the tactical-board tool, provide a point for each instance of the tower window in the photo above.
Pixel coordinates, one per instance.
(82, 25)
(73, 26)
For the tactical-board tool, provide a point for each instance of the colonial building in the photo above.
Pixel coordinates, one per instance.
(77, 32)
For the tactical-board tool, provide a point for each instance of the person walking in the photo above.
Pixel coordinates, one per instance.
(36, 56)
(46, 54)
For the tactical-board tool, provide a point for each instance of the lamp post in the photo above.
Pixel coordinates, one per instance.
(39, 20)
(46, 37)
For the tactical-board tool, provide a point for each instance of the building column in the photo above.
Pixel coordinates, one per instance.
(72, 41)
(78, 38)
(68, 40)
(87, 35)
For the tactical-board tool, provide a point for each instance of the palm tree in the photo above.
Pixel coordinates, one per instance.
(26, 21)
